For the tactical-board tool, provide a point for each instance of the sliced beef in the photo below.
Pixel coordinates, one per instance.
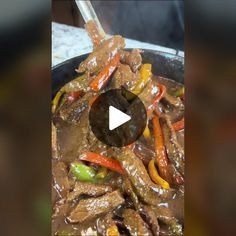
(102, 55)
(104, 223)
(150, 217)
(71, 112)
(90, 189)
(124, 77)
(128, 189)
(54, 142)
(135, 224)
(144, 187)
(133, 59)
(60, 211)
(173, 107)
(72, 139)
(171, 85)
(166, 216)
(90, 208)
(174, 150)
(94, 33)
(54, 195)
(60, 178)
(81, 83)
(180, 138)
(144, 153)
(149, 93)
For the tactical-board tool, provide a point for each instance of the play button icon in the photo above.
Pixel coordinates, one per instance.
(117, 117)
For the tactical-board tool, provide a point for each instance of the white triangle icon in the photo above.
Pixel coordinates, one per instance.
(117, 118)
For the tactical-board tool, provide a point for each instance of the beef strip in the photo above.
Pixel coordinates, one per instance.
(81, 83)
(133, 59)
(124, 77)
(71, 112)
(60, 211)
(144, 187)
(128, 189)
(102, 55)
(104, 223)
(94, 33)
(72, 139)
(180, 138)
(149, 93)
(135, 224)
(150, 217)
(90, 189)
(165, 215)
(171, 85)
(174, 150)
(90, 208)
(60, 178)
(54, 142)
(144, 153)
(173, 107)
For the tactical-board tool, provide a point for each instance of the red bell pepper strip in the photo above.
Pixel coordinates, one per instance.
(102, 78)
(159, 96)
(161, 157)
(179, 125)
(103, 161)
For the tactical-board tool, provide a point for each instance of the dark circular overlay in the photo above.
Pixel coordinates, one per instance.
(126, 102)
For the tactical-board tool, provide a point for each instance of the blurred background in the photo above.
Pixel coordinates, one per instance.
(156, 22)
(210, 80)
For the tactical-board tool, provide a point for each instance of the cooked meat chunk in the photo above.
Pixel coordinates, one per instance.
(170, 85)
(60, 178)
(104, 223)
(102, 55)
(133, 59)
(71, 112)
(90, 189)
(128, 189)
(144, 153)
(72, 139)
(151, 219)
(180, 138)
(124, 77)
(94, 33)
(149, 93)
(173, 107)
(165, 215)
(60, 211)
(90, 208)
(135, 224)
(145, 188)
(174, 150)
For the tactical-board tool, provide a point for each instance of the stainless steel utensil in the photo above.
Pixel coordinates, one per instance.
(88, 13)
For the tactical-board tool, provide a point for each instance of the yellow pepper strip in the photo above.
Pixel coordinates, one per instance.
(112, 231)
(71, 86)
(146, 132)
(179, 92)
(56, 100)
(156, 178)
(102, 173)
(145, 74)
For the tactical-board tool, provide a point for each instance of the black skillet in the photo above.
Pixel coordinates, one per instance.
(163, 64)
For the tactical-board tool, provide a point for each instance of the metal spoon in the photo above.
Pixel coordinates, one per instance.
(88, 13)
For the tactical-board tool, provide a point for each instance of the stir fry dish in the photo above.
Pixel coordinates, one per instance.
(112, 191)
